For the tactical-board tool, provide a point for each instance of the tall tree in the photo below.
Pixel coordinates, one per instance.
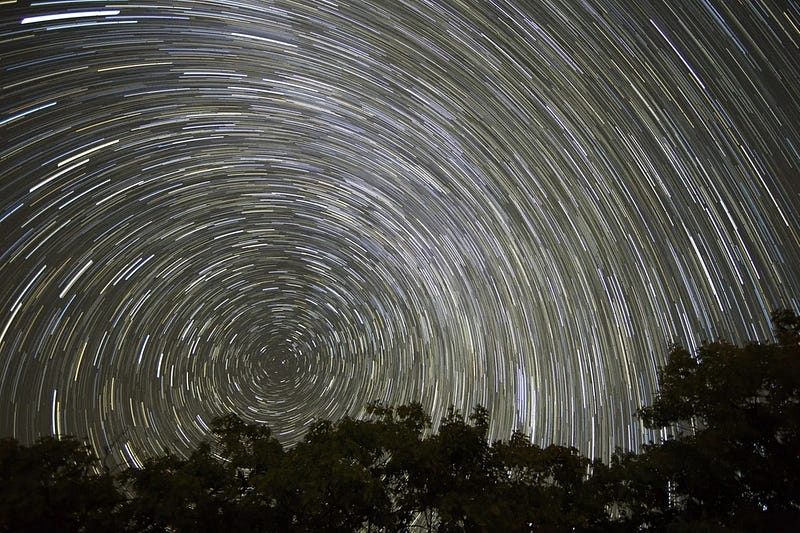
(735, 457)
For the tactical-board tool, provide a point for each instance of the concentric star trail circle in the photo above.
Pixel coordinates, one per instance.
(288, 209)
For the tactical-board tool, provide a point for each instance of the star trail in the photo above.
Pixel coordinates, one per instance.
(286, 209)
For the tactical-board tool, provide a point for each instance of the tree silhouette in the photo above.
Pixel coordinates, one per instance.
(735, 458)
(55, 485)
(732, 463)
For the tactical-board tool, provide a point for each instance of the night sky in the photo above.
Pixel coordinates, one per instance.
(287, 209)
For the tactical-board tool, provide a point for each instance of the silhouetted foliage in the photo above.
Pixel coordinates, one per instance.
(732, 463)
(735, 458)
(55, 485)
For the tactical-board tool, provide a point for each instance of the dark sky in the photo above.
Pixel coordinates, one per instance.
(286, 209)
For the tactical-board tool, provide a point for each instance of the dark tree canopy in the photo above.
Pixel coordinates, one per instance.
(54, 485)
(735, 458)
(732, 464)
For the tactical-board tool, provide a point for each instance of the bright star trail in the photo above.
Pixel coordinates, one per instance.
(287, 209)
